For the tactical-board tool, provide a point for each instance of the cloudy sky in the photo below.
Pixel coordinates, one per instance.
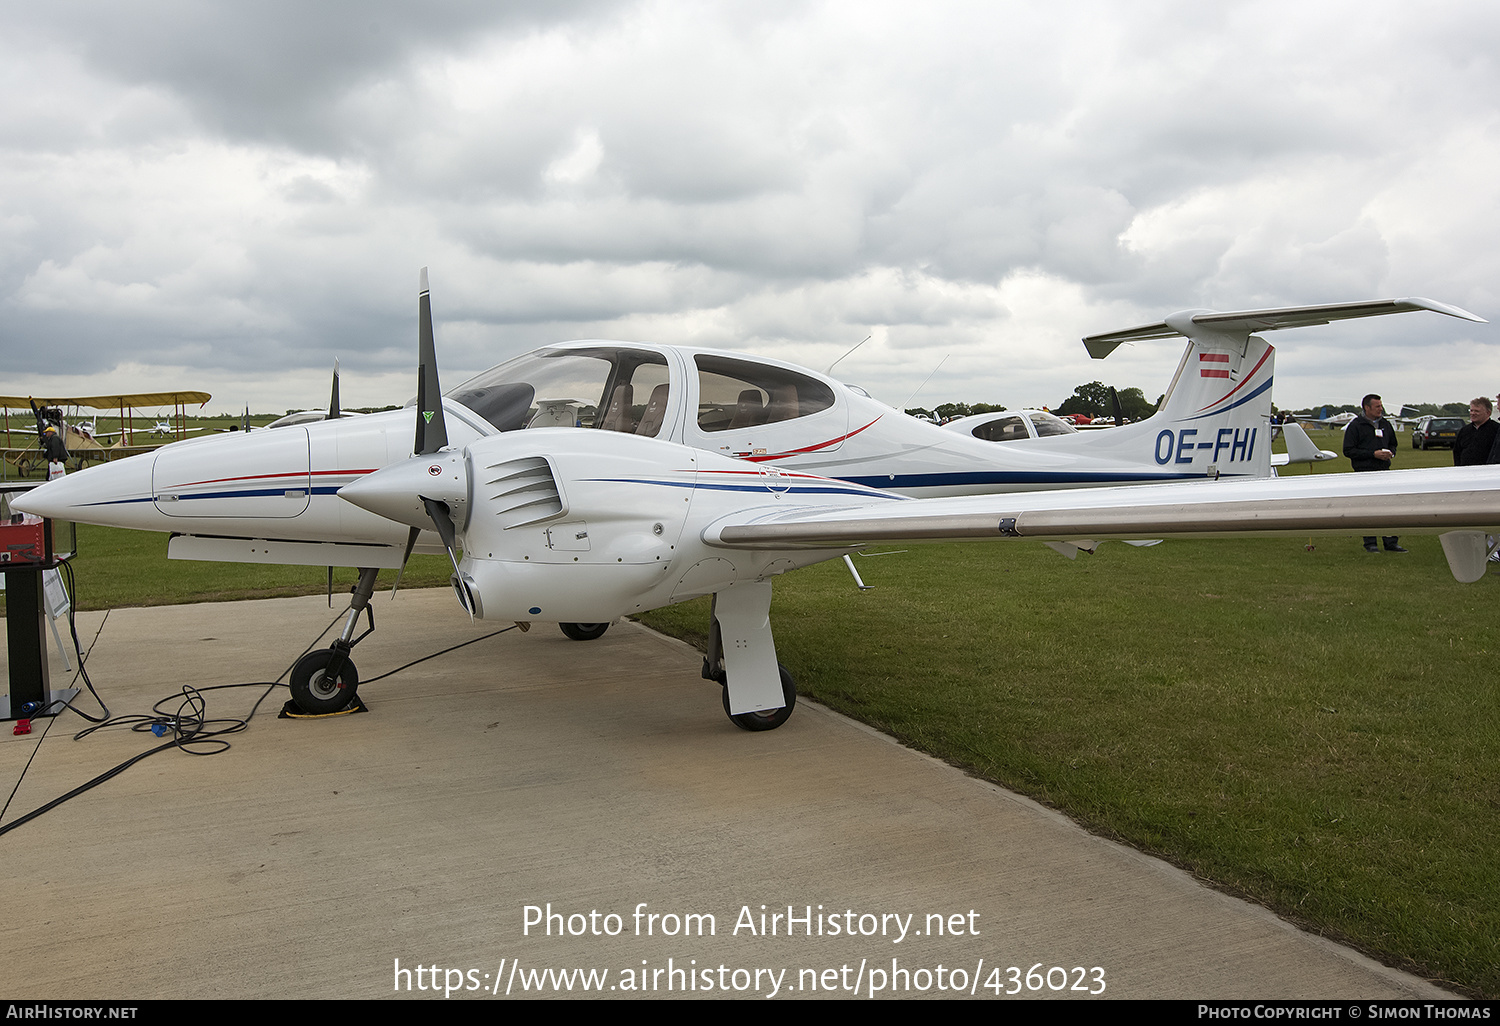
(228, 196)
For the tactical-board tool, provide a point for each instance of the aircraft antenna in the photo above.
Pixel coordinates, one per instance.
(840, 360)
(925, 380)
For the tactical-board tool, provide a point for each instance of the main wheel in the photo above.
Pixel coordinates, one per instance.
(314, 691)
(767, 720)
(584, 631)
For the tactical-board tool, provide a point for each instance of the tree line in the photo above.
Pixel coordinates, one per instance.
(1090, 400)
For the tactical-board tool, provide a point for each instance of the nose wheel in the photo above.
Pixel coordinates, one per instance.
(324, 681)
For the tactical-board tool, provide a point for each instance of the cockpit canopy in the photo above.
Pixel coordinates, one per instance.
(610, 387)
(625, 388)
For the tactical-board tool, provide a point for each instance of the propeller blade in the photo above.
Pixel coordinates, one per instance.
(333, 400)
(438, 511)
(432, 429)
(1114, 401)
(411, 540)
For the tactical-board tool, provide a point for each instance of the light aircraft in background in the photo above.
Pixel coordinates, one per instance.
(166, 429)
(83, 439)
(1012, 425)
(672, 499)
(1025, 425)
(1408, 415)
(1325, 420)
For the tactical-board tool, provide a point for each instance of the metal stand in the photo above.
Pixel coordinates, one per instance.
(26, 642)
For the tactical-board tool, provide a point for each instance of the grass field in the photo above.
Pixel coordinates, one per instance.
(1314, 729)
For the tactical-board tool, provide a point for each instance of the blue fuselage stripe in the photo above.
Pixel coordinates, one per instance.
(1053, 478)
(1226, 409)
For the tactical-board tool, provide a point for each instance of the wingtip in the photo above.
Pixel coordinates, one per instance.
(1445, 308)
(422, 280)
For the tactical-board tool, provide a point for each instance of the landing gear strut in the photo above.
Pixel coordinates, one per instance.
(742, 658)
(325, 680)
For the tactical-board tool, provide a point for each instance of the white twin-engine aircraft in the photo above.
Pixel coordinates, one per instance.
(709, 474)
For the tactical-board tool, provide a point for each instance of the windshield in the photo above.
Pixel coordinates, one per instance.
(606, 387)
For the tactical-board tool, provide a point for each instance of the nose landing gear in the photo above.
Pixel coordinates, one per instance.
(325, 680)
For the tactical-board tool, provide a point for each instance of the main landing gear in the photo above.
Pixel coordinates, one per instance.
(584, 631)
(325, 680)
(746, 667)
(770, 719)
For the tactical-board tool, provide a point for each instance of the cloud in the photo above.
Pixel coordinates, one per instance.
(229, 189)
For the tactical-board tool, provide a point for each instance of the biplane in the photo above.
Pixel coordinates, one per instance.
(84, 438)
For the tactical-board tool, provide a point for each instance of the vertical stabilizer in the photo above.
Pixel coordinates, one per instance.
(1215, 420)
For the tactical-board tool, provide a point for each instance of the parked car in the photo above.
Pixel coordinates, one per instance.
(1436, 432)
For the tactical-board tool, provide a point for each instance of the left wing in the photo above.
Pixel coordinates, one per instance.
(1433, 501)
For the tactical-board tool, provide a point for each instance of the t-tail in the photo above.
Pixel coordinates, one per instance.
(1215, 418)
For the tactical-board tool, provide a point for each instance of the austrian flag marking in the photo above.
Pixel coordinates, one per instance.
(1213, 372)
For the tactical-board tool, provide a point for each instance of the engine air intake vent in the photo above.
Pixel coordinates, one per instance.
(523, 491)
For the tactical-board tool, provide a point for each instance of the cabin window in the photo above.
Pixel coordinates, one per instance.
(1002, 429)
(735, 394)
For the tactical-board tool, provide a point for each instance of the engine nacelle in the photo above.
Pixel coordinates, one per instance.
(574, 526)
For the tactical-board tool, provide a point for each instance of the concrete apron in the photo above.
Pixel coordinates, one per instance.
(402, 852)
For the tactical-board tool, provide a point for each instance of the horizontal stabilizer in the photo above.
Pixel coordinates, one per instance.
(1300, 448)
(1193, 323)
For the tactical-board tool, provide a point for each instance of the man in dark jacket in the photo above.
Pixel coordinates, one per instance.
(1370, 444)
(56, 450)
(1477, 437)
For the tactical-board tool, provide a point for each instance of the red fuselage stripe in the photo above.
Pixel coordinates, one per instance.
(1248, 377)
(809, 448)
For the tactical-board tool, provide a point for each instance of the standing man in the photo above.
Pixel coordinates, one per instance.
(57, 453)
(1477, 437)
(1370, 444)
